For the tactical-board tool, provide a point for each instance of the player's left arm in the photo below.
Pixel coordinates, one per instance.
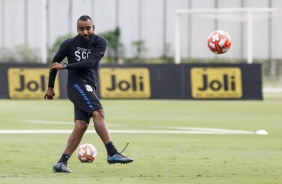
(96, 55)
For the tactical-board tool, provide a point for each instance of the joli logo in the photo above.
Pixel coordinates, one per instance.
(125, 83)
(29, 83)
(216, 83)
(32, 85)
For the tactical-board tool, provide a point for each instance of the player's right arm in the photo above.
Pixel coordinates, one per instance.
(59, 56)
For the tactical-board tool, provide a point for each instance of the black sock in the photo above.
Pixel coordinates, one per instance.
(65, 157)
(110, 148)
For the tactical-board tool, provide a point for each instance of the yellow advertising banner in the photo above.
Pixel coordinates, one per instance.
(124, 83)
(29, 83)
(212, 82)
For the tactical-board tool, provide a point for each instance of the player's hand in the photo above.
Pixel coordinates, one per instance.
(49, 95)
(57, 66)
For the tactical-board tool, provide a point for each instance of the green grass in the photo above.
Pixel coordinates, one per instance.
(158, 158)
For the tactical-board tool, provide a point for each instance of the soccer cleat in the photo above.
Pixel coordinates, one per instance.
(119, 158)
(61, 167)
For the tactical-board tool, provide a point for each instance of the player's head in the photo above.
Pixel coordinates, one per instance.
(85, 27)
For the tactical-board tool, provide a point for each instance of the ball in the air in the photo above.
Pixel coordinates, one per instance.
(219, 42)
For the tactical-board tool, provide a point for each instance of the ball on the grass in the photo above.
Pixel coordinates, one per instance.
(86, 153)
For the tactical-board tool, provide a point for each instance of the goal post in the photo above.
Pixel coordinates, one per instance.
(249, 14)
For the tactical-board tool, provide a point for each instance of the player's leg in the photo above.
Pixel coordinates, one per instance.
(102, 130)
(100, 125)
(72, 143)
(76, 136)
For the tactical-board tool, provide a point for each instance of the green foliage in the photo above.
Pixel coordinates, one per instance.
(6, 55)
(21, 54)
(52, 51)
(26, 54)
(139, 51)
(114, 45)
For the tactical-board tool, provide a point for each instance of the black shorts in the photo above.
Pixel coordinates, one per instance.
(85, 101)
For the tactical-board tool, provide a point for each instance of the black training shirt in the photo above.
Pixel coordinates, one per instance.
(83, 59)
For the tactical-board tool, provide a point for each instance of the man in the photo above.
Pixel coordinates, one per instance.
(84, 53)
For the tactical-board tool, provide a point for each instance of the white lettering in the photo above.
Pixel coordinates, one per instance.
(88, 54)
(77, 54)
(84, 56)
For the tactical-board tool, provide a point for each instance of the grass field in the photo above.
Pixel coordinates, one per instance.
(166, 150)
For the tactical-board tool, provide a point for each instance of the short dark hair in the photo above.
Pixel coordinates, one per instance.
(84, 18)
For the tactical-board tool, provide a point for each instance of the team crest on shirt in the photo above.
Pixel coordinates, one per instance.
(88, 88)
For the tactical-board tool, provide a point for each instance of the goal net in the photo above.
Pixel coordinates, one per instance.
(254, 33)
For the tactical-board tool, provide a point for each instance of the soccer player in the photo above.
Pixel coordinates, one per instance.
(84, 53)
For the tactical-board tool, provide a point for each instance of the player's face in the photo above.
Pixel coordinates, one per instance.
(85, 29)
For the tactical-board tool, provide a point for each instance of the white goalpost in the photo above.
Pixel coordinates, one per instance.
(249, 12)
(44, 42)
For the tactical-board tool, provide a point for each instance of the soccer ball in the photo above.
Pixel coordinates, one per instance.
(219, 42)
(86, 153)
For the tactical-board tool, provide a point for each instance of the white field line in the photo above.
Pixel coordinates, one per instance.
(56, 122)
(169, 130)
(272, 90)
(191, 129)
(124, 132)
(209, 130)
